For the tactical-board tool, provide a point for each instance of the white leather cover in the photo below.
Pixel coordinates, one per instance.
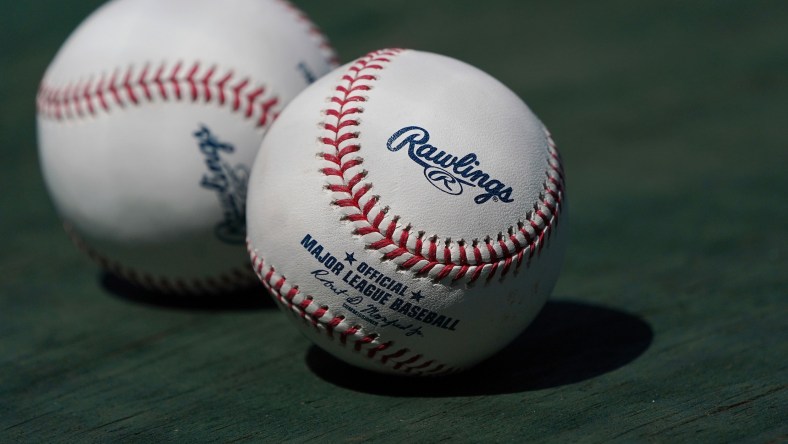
(123, 109)
(471, 240)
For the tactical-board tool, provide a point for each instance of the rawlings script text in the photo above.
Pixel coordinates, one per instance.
(445, 171)
(229, 182)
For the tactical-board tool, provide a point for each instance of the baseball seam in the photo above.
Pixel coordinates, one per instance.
(406, 246)
(234, 279)
(166, 83)
(339, 329)
(124, 88)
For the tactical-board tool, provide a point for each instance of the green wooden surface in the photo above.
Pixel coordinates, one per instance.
(668, 323)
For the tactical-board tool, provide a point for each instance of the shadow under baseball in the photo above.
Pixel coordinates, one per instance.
(254, 297)
(567, 343)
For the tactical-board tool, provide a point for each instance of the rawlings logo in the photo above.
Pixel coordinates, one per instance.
(447, 172)
(229, 182)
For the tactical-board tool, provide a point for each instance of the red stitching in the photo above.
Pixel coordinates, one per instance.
(206, 83)
(193, 83)
(235, 279)
(99, 93)
(372, 220)
(173, 79)
(333, 326)
(142, 83)
(134, 87)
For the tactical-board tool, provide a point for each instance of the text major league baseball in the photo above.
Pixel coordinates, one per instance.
(367, 289)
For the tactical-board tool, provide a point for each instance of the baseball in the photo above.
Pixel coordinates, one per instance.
(149, 118)
(420, 212)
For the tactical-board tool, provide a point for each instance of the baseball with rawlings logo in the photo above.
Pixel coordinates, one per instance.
(149, 118)
(421, 213)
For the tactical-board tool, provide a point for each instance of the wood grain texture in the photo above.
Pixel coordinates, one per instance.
(668, 323)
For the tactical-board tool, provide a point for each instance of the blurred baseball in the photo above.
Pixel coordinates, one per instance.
(149, 118)
(421, 212)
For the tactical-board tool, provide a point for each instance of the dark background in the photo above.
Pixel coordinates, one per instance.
(668, 322)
